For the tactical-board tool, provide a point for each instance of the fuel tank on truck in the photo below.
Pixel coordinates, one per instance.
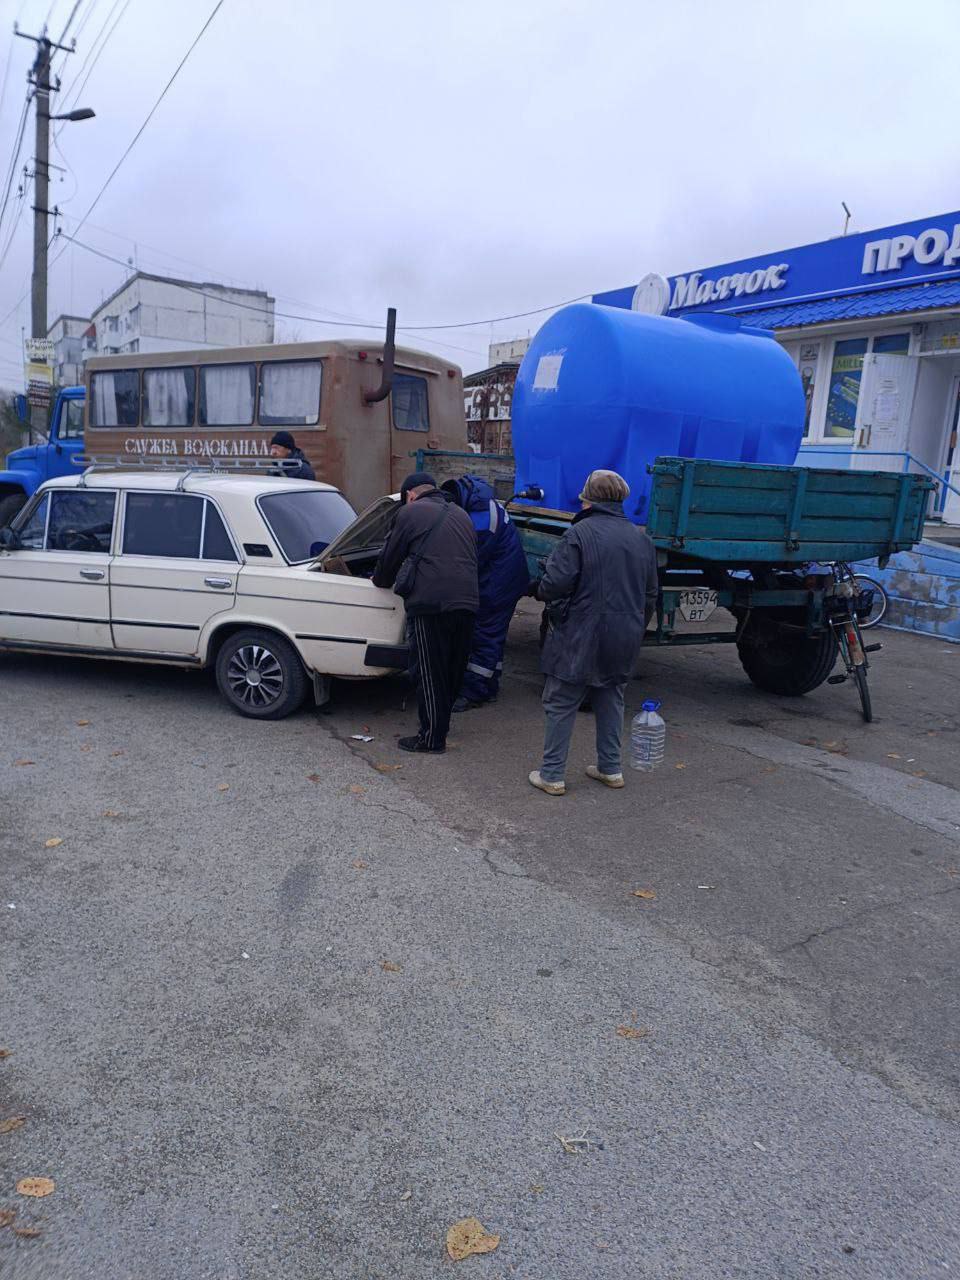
(603, 387)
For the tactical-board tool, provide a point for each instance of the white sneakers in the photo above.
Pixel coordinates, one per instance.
(614, 780)
(551, 788)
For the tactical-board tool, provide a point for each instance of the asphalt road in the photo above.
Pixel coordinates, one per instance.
(275, 1012)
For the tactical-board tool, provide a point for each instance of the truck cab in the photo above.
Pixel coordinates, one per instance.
(26, 469)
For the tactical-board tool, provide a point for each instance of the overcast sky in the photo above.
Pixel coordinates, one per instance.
(464, 160)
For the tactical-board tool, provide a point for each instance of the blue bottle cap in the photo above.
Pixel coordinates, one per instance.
(651, 704)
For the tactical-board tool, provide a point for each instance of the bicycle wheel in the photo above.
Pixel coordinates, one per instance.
(860, 675)
(865, 583)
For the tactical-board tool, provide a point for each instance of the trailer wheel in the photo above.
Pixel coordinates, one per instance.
(9, 506)
(784, 661)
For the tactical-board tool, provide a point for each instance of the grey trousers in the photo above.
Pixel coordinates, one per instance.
(561, 702)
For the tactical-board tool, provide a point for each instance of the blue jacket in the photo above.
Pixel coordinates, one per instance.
(501, 562)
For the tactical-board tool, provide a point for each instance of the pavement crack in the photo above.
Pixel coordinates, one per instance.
(502, 871)
(859, 915)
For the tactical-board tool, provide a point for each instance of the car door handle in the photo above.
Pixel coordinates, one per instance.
(219, 583)
(92, 575)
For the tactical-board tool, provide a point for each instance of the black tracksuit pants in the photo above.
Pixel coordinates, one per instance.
(442, 643)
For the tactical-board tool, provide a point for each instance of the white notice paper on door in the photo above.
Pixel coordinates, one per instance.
(548, 373)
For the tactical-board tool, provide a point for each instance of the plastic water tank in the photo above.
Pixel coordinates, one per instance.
(611, 388)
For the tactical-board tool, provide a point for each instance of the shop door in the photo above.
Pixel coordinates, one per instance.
(951, 464)
(886, 406)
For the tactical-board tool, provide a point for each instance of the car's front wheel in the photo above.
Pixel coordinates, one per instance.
(260, 674)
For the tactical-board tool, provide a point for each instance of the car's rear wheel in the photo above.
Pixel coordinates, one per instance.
(9, 506)
(260, 674)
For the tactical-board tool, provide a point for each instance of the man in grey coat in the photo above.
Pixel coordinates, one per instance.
(600, 587)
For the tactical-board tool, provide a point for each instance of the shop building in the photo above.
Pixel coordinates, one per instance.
(873, 323)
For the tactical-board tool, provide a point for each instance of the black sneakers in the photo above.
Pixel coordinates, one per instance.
(415, 744)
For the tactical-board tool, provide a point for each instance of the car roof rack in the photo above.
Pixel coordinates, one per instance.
(96, 462)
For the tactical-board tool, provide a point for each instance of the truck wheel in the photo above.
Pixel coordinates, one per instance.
(784, 661)
(260, 674)
(9, 506)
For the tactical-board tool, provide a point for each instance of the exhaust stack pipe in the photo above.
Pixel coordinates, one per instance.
(389, 351)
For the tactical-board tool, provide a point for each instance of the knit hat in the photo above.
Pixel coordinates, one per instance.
(415, 481)
(284, 439)
(605, 486)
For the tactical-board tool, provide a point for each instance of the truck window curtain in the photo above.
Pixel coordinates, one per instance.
(227, 395)
(116, 398)
(290, 393)
(168, 397)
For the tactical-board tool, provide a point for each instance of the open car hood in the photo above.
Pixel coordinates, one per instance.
(370, 529)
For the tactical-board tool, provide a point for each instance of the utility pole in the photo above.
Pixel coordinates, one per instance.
(40, 80)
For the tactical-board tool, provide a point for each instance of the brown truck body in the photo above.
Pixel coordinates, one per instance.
(227, 403)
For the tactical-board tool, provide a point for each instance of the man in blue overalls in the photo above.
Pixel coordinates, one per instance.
(504, 578)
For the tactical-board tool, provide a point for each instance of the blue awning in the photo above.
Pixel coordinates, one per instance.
(856, 306)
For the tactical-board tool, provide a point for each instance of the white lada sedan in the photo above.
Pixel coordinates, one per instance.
(263, 578)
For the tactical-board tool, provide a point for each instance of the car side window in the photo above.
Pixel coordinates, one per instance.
(32, 532)
(163, 524)
(80, 520)
(216, 540)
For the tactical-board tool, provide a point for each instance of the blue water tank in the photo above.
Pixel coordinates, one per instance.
(603, 387)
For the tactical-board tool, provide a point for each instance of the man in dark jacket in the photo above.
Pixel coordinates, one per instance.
(600, 585)
(433, 548)
(284, 446)
(504, 578)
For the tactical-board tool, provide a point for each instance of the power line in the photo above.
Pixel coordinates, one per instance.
(14, 160)
(113, 173)
(71, 95)
(339, 324)
(69, 22)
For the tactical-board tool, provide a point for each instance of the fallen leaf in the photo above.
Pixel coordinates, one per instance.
(116, 753)
(387, 768)
(892, 755)
(5, 1053)
(469, 1236)
(358, 864)
(918, 773)
(405, 1195)
(86, 746)
(632, 1033)
(223, 786)
(19, 764)
(82, 723)
(647, 894)
(111, 813)
(37, 1187)
(314, 777)
(389, 967)
(676, 766)
(575, 1146)
(53, 842)
(15, 1122)
(536, 1188)
(26, 1233)
(356, 790)
(7, 1216)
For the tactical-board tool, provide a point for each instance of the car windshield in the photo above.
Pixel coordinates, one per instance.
(304, 523)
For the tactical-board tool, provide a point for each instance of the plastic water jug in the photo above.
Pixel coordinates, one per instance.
(648, 737)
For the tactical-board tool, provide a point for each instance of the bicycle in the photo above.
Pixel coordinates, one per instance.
(843, 610)
(866, 587)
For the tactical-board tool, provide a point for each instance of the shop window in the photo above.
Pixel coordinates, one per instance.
(807, 362)
(892, 344)
(409, 399)
(290, 393)
(168, 397)
(846, 374)
(116, 398)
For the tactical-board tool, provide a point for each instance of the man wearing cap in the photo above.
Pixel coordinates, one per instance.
(600, 587)
(284, 446)
(430, 559)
